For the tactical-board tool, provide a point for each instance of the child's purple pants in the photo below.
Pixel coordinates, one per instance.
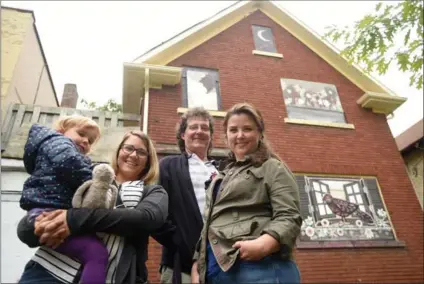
(88, 249)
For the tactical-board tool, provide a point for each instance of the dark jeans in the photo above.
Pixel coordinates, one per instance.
(268, 270)
(36, 274)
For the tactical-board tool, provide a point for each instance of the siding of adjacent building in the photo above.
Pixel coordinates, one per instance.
(414, 164)
(25, 75)
(14, 253)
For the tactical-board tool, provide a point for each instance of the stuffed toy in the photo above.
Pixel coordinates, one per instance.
(99, 192)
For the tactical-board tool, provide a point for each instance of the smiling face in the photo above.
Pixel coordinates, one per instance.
(83, 137)
(242, 135)
(132, 159)
(197, 136)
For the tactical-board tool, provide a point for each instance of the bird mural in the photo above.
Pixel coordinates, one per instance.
(345, 208)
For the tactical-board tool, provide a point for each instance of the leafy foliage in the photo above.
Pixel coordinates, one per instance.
(371, 42)
(110, 105)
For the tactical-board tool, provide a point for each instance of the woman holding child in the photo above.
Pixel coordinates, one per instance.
(141, 208)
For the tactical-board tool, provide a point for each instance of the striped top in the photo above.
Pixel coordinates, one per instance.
(65, 268)
(200, 172)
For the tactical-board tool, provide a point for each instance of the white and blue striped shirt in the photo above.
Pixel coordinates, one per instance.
(200, 172)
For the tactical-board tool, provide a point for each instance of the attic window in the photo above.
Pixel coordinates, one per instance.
(264, 39)
(264, 42)
(201, 88)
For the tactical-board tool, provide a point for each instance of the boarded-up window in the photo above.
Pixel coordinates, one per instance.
(201, 88)
(312, 101)
(342, 208)
(264, 39)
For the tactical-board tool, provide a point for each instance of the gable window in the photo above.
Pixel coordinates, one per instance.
(264, 39)
(312, 101)
(201, 88)
(342, 209)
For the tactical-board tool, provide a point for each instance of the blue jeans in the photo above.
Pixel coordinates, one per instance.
(271, 269)
(36, 274)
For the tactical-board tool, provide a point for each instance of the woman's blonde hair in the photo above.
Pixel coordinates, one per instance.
(264, 150)
(65, 123)
(150, 174)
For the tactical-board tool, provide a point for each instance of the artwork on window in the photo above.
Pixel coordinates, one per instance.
(201, 88)
(312, 100)
(335, 209)
(263, 38)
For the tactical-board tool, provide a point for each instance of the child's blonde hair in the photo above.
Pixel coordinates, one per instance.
(65, 123)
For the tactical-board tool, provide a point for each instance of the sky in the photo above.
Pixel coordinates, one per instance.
(87, 42)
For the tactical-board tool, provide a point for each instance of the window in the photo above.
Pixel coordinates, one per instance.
(201, 88)
(342, 209)
(312, 101)
(264, 39)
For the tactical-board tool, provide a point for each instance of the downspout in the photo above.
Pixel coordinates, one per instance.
(38, 84)
(146, 100)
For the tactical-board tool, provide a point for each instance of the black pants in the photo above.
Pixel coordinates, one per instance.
(36, 274)
(26, 234)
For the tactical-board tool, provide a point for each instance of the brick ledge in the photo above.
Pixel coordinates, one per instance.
(350, 244)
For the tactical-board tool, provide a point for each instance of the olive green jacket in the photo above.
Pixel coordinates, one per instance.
(251, 201)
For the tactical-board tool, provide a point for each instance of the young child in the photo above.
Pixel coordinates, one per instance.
(57, 162)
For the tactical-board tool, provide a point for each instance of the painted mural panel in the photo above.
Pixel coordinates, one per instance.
(263, 38)
(312, 100)
(335, 209)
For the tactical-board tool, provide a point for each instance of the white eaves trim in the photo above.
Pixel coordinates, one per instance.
(188, 32)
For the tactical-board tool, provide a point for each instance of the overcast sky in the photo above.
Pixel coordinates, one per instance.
(87, 42)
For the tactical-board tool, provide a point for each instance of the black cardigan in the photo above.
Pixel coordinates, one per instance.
(182, 231)
(135, 225)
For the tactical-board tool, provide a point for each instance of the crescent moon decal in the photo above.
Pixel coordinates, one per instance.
(261, 36)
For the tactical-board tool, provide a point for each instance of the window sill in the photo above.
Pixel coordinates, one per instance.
(265, 53)
(319, 123)
(214, 113)
(350, 244)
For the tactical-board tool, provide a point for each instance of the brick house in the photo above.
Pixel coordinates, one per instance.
(324, 117)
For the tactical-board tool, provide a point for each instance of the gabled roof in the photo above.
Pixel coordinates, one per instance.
(192, 37)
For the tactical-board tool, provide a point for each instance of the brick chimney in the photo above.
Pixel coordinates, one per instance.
(70, 96)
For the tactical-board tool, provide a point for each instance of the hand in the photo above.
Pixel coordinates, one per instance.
(52, 228)
(194, 274)
(257, 249)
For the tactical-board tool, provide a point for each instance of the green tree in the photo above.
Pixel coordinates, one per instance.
(110, 105)
(373, 42)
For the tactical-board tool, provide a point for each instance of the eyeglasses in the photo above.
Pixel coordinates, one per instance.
(128, 149)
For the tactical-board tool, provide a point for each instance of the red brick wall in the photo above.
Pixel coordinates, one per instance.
(368, 150)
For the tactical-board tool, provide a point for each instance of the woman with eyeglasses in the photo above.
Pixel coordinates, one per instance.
(141, 208)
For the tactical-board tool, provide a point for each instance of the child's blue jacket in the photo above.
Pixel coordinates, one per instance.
(57, 169)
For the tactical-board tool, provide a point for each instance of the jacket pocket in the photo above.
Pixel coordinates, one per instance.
(237, 230)
(257, 172)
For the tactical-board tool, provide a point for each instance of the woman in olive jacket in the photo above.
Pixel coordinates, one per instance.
(252, 211)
